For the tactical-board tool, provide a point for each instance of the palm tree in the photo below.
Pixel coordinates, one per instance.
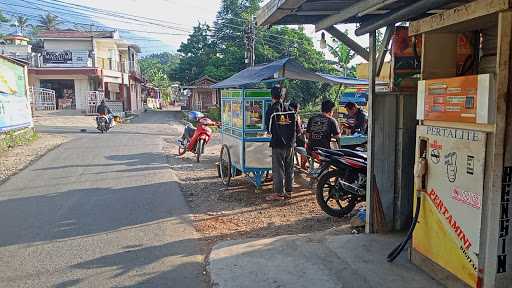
(21, 23)
(49, 22)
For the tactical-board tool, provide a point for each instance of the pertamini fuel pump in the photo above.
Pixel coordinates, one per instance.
(451, 142)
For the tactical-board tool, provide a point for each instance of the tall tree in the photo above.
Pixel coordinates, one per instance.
(21, 23)
(196, 53)
(49, 22)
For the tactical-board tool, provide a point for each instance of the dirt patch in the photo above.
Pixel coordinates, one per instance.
(16, 159)
(238, 211)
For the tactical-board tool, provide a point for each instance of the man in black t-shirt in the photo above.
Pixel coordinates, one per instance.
(322, 128)
(281, 123)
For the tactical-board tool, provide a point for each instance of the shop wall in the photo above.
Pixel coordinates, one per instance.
(103, 48)
(79, 45)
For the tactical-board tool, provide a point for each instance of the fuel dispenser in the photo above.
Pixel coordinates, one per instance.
(453, 115)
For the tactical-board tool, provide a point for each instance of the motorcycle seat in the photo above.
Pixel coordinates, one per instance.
(344, 152)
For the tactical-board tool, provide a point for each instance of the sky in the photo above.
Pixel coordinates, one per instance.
(178, 15)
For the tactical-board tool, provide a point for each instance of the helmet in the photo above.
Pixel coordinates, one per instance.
(195, 115)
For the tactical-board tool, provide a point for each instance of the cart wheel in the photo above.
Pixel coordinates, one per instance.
(225, 165)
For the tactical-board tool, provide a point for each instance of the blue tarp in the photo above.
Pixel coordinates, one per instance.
(359, 98)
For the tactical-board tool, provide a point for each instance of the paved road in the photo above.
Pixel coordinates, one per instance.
(100, 211)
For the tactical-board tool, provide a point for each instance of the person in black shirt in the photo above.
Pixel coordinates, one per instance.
(356, 118)
(281, 123)
(322, 128)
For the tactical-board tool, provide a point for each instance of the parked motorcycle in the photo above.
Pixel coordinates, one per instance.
(342, 186)
(102, 122)
(194, 139)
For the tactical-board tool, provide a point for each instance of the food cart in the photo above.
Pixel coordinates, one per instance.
(245, 145)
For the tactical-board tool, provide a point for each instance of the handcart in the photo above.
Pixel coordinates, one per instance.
(245, 145)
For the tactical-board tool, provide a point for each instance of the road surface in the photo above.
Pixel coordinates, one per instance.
(100, 211)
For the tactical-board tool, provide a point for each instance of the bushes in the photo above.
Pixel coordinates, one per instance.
(214, 113)
(11, 139)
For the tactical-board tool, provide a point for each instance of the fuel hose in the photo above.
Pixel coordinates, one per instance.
(420, 170)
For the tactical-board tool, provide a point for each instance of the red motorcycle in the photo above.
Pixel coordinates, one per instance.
(194, 139)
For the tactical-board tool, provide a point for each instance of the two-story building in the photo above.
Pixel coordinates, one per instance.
(85, 67)
(16, 47)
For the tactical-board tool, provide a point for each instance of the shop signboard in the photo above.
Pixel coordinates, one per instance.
(448, 230)
(14, 105)
(57, 57)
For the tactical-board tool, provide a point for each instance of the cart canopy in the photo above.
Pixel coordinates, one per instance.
(286, 68)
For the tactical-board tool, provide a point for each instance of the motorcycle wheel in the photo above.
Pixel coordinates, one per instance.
(199, 149)
(225, 165)
(332, 198)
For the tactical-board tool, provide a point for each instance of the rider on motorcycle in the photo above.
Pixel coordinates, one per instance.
(104, 110)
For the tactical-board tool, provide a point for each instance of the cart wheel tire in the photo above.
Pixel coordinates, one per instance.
(199, 149)
(225, 165)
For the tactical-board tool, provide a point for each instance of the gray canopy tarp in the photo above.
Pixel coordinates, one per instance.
(283, 68)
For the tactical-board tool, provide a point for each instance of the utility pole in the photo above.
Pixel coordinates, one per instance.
(250, 39)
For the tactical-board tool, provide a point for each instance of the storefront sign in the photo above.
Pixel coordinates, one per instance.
(14, 106)
(448, 230)
(57, 57)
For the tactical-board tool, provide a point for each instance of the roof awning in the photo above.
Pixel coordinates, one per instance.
(324, 14)
(286, 68)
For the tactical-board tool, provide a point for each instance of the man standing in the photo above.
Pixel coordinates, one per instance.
(322, 128)
(356, 119)
(281, 123)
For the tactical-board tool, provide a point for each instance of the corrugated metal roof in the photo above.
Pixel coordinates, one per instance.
(75, 34)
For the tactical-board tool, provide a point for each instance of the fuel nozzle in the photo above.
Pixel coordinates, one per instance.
(420, 170)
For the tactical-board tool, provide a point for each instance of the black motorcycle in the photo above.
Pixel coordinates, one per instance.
(103, 123)
(343, 185)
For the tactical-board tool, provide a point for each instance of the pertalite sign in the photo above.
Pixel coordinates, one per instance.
(15, 110)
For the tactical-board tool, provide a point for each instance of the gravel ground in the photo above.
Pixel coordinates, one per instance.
(63, 118)
(16, 159)
(239, 211)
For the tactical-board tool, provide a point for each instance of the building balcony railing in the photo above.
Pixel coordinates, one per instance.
(79, 59)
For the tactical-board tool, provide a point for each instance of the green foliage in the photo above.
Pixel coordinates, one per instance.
(158, 68)
(11, 139)
(343, 55)
(219, 52)
(49, 22)
(214, 113)
(21, 23)
(3, 18)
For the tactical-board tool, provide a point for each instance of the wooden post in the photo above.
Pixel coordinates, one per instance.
(370, 184)
(489, 245)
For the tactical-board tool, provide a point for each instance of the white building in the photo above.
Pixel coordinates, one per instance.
(83, 66)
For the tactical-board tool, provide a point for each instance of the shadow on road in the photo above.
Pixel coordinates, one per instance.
(84, 212)
(129, 160)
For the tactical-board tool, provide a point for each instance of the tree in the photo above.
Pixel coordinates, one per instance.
(49, 22)
(156, 68)
(21, 24)
(343, 55)
(196, 54)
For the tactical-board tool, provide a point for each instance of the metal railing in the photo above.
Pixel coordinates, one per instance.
(93, 100)
(43, 99)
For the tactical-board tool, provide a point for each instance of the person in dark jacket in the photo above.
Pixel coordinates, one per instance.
(281, 123)
(103, 109)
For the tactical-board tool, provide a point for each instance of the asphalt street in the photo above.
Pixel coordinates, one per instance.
(100, 211)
